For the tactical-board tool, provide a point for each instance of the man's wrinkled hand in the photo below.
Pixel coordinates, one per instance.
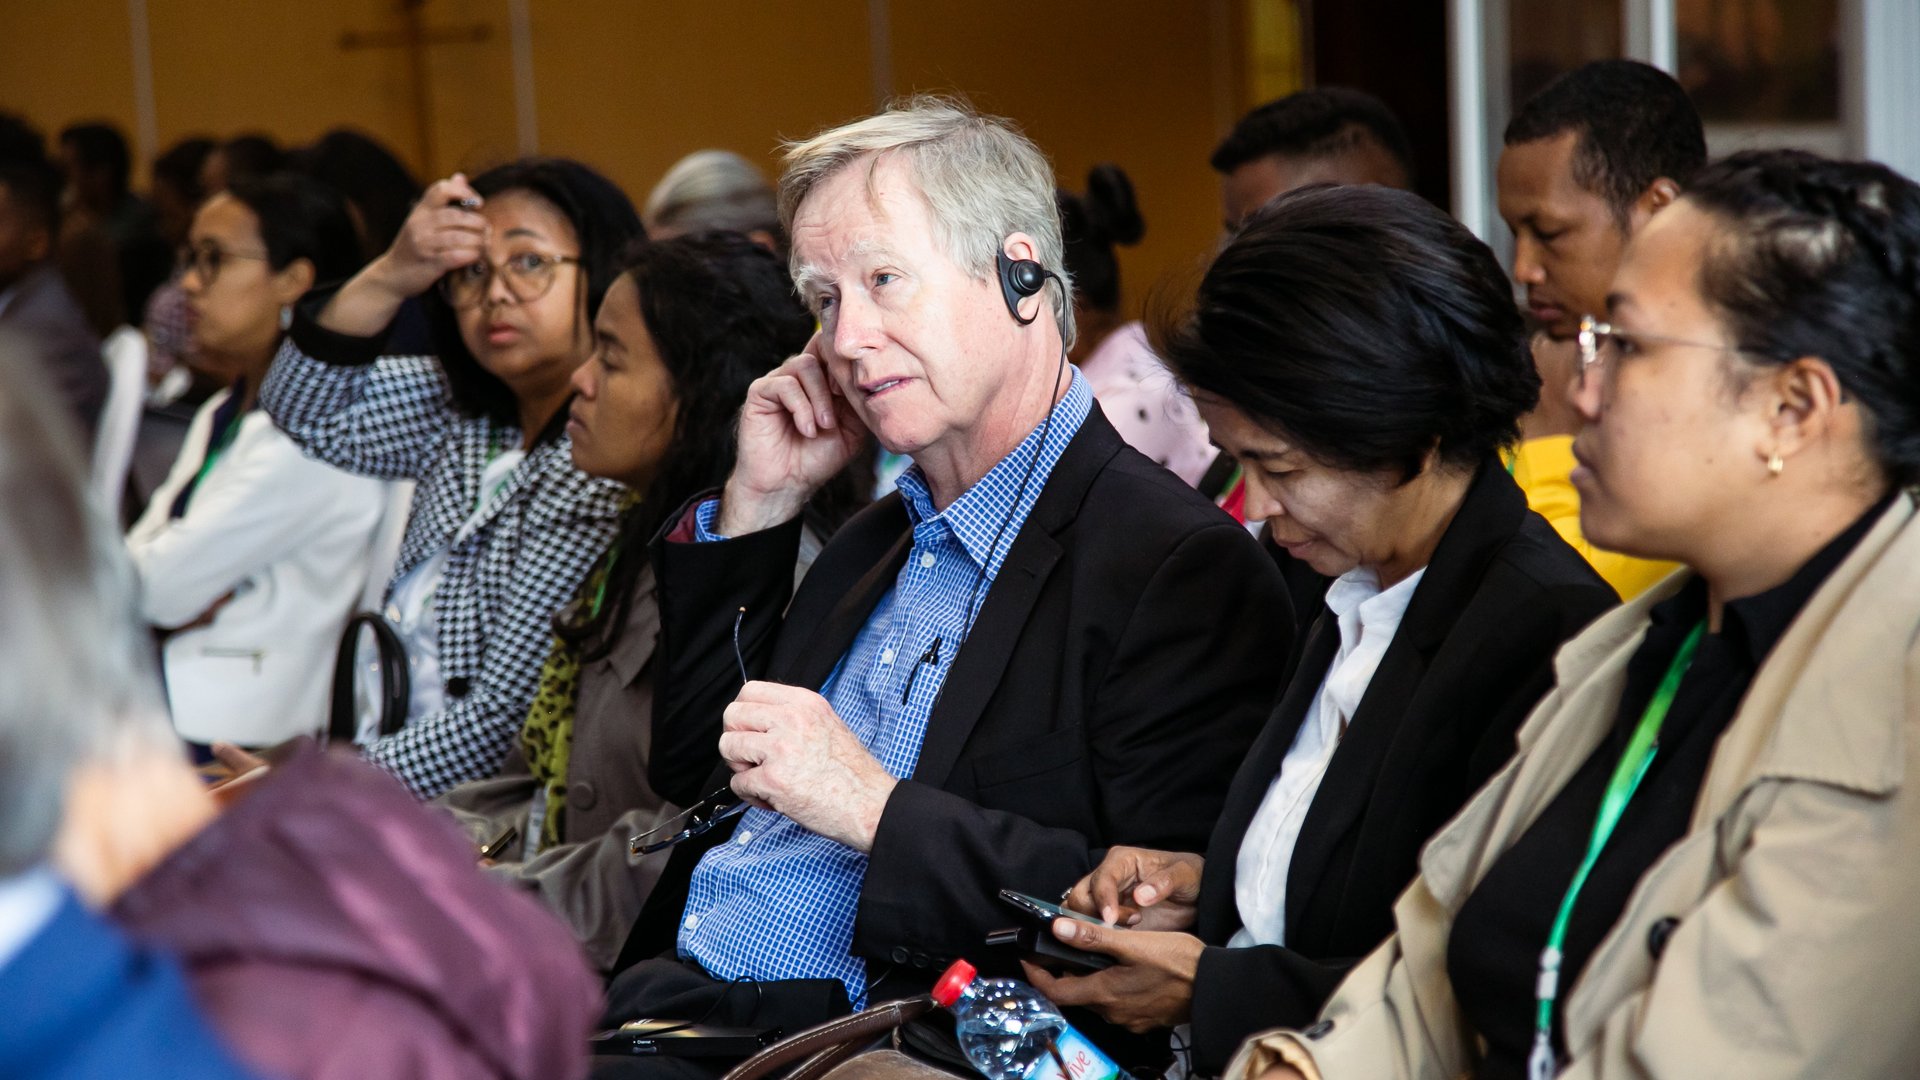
(792, 754)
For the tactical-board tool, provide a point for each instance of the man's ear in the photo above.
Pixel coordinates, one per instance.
(1021, 246)
(1657, 197)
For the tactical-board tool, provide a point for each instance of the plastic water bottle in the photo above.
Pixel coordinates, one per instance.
(1010, 1032)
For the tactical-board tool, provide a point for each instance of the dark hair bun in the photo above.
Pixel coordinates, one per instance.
(1111, 210)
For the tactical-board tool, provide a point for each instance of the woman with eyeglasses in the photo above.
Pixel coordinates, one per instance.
(512, 269)
(1357, 352)
(1703, 860)
(251, 554)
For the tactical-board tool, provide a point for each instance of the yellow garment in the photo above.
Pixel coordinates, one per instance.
(1542, 468)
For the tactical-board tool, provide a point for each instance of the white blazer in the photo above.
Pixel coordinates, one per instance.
(291, 539)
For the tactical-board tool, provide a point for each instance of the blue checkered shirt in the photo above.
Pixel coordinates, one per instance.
(777, 901)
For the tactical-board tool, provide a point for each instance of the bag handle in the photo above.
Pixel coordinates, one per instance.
(827, 1045)
(395, 687)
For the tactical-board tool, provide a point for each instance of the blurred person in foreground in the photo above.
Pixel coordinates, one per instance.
(330, 928)
(82, 713)
(1703, 858)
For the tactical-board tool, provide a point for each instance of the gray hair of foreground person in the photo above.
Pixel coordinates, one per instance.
(79, 678)
(982, 180)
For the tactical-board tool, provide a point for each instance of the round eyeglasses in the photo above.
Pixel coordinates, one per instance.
(206, 258)
(528, 276)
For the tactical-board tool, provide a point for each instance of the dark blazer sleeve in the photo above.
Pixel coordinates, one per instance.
(1237, 992)
(1191, 678)
(702, 588)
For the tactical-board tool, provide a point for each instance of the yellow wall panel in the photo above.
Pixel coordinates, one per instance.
(66, 61)
(631, 86)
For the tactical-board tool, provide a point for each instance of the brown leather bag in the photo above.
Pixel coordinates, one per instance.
(821, 1048)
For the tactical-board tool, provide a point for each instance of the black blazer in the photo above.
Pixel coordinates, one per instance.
(1471, 658)
(1123, 661)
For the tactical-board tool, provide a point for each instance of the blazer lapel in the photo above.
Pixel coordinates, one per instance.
(1489, 515)
(1219, 914)
(830, 641)
(977, 670)
(639, 637)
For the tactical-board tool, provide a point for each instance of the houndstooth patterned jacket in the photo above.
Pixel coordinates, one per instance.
(392, 417)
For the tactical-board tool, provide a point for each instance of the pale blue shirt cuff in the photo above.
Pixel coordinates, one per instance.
(704, 516)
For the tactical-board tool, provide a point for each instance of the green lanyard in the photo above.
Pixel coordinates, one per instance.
(219, 447)
(1632, 768)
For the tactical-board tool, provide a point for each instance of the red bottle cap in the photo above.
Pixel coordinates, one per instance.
(952, 983)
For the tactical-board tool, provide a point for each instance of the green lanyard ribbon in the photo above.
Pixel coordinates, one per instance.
(219, 447)
(1627, 774)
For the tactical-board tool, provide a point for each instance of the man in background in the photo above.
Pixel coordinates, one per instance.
(1588, 161)
(1326, 135)
(35, 304)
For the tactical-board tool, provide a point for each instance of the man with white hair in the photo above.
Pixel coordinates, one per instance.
(1041, 646)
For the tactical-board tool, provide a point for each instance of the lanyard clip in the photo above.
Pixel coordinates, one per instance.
(1541, 1062)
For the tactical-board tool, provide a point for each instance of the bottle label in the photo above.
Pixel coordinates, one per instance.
(1082, 1061)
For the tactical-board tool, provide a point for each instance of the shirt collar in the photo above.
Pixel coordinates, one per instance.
(28, 902)
(975, 517)
(1358, 592)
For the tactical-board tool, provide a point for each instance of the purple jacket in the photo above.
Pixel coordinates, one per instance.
(334, 929)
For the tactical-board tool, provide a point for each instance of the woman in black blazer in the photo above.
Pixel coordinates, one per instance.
(1359, 353)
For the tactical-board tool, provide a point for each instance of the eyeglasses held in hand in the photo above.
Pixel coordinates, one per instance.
(528, 276)
(712, 809)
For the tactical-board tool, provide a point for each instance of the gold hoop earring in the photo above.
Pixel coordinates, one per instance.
(1776, 464)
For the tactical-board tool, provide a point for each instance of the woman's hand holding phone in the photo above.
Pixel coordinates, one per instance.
(1141, 888)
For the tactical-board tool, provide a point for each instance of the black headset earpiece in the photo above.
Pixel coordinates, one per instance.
(1019, 279)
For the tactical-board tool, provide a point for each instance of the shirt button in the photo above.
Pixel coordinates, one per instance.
(692, 923)
(927, 560)
(886, 656)
(744, 838)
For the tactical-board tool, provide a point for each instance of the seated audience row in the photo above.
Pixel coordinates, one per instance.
(767, 772)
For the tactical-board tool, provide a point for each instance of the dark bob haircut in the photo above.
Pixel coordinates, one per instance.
(722, 312)
(1364, 325)
(604, 222)
(1822, 258)
(302, 219)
